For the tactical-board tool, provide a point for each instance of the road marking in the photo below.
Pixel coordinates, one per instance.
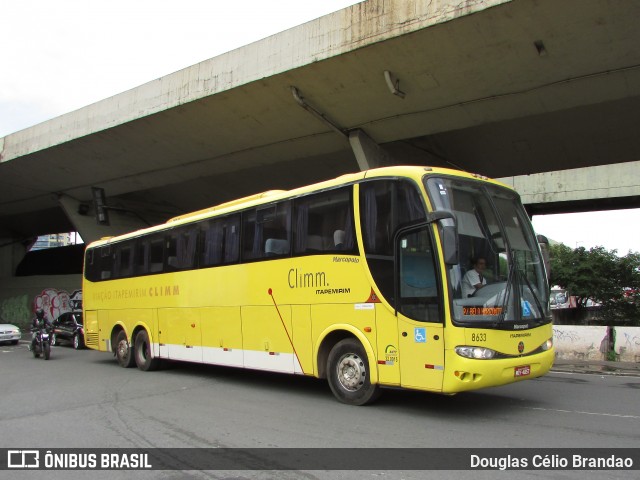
(635, 417)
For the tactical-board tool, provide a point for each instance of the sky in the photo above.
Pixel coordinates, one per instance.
(614, 230)
(61, 55)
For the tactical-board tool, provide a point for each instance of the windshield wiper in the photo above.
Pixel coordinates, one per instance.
(503, 309)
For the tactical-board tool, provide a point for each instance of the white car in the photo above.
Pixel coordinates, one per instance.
(9, 333)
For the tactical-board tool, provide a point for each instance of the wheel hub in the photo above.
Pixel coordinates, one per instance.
(123, 348)
(351, 372)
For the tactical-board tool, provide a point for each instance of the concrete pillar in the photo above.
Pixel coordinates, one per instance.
(368, 153)
(12, 251)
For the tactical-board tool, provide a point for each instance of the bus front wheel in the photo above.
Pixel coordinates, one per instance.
(124, 352)
(348, 373)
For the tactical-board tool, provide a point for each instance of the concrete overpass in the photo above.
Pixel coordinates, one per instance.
(603, 187)
(503, 88)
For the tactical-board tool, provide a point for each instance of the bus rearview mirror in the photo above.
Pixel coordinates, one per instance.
(449, 235)
(450, 244)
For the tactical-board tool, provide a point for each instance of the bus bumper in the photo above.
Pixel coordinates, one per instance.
(465, 374)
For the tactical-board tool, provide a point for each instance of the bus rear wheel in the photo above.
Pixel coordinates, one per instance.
(348, 373)
(124, 352)
(142, 350)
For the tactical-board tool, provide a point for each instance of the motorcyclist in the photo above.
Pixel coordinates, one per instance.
(39, 323)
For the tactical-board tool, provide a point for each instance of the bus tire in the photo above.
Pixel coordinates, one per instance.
(348, 373)
(142, 351)
(124, 352)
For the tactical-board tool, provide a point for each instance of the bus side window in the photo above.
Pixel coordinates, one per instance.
(141, 261)
(219, 241)
(123, 260)
(211, 242)
(277, 231)
(171, 252)
(88, 264)
(385, 205)
(106, 263)
(252, 236)
(323, 222)
(181, 249)
(156, 255)
(91, 269)
(231, 253)
(266, 231)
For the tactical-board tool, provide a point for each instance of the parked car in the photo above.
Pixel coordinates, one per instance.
(9, 333)
(68, 326)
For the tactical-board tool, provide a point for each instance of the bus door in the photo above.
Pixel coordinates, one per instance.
(420, 328)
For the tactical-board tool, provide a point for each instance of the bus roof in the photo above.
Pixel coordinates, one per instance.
(273, 195)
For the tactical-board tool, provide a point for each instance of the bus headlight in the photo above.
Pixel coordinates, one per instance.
(478, 353)
(547, 345)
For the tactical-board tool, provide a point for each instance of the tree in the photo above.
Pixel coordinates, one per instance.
(602, 277)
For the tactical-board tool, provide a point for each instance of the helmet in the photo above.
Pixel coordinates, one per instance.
(40, 314)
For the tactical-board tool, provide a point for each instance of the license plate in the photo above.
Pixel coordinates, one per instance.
(522, 371)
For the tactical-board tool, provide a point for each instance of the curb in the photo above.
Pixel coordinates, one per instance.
(595, 370)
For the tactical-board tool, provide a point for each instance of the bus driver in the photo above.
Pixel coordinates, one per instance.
(474, 279)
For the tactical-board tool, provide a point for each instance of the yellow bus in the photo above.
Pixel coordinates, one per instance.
(362, 280)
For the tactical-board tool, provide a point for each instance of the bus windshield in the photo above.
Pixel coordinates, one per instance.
(500, 280)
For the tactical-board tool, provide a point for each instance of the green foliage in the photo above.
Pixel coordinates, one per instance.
(602, 277)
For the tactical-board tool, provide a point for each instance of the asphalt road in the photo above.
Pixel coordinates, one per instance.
(84, 399)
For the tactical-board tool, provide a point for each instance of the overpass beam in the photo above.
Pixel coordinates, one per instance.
(368, 153)
(602, 187)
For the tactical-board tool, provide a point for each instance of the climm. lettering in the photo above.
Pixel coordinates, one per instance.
(164, 291)
(300, 279)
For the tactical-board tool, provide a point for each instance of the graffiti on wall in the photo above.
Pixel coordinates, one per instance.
(631, 341)
(595, 343)
(14, 309)
(76, 300)
(56, 302)
(628, 344)
(579, 342)
(562, 335)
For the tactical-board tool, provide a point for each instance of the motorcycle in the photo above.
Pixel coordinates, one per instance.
(42, 345)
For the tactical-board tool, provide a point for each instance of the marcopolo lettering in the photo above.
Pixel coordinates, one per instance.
(346, 260)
